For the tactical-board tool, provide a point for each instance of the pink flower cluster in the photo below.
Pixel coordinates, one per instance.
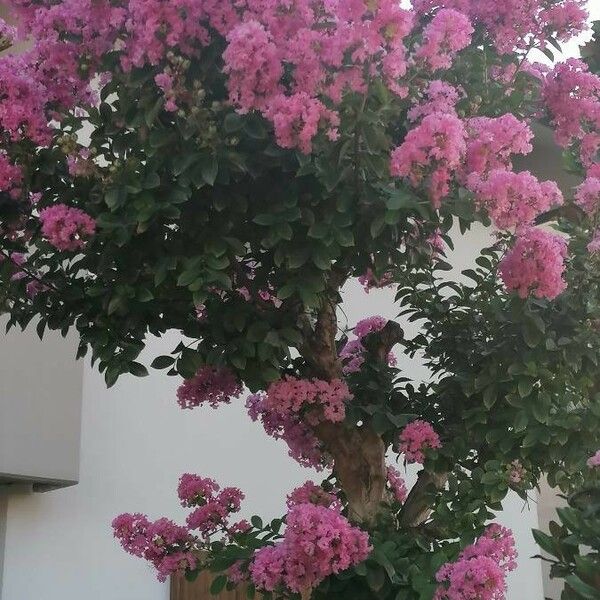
(517, 23)
(439, 97)
(572, 96)
(303, 445)
(315, 399)
(432, 151)
(8, 35)
(516, 472)
(587, 195)
(594, 246)
(318, 542)
(211, 385)
(166, 545)
(325, 46)
(66, 228)
(396, 485)
(481, 569)
(311, 493)
(415, 439)
(352, 354)
(594, 461)
(535, 265)
(11, 176)
(492, 142)
(214, 510)
(515, 199)
(369, 281)
(448, 33)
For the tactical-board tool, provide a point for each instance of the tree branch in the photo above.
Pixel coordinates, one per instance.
(417, 507)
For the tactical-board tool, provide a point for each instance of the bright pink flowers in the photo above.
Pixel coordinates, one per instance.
(594, 461)
(515, 23)
(396, 485)
(481, 569)
(11, 176)
(211, 385)
(254, 66)
(303, 444)
(415, 439)
(66, 228)
(492, 142)
(352, 354)
(434, 149)
(587, 195)
(163, 543)
(535, 265)
(317, 543)
(214, 510)
(318, 400)
(515, 199)
(572, 95)
(311, 493)
(449, 32)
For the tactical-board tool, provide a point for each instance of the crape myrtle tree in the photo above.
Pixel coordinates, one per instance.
(223, 167)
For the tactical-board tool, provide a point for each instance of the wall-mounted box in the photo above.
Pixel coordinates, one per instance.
(40, 409)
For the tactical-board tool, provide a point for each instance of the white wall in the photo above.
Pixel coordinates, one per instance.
(135, 443)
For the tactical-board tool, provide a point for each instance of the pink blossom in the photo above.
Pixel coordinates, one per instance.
(587, 195)
(434, 148)
(164, 544)
(66, 228)
(214, 506)
(193, 489)
(514, 199)
(396, 484)
(296, 119)
(572, 96)
(594, 461)
(516, 472)
(11, 176)
(318, 400)
(481, 569)
(514, 24)
(352, 354)
(212, 385)
(594, 246)
(253, 63)
(303, 445)
(311, 493)
(535, 264)
(369, 281)
(449, 32)
(415, 439)
(492, 142)
(8, 34)
(439, 97)
(318, 542)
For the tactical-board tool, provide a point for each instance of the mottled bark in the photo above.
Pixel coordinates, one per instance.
(359, 465)
(417, 507)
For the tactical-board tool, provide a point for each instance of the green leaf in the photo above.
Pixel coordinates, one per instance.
(544, 541)
(162, 362)
(218, 585)
(232, 123)
(375, 578)
(138, 369)
(583, 589)
(209, 167)
(256, 522)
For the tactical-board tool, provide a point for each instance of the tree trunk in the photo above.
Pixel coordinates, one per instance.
(359, 465)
